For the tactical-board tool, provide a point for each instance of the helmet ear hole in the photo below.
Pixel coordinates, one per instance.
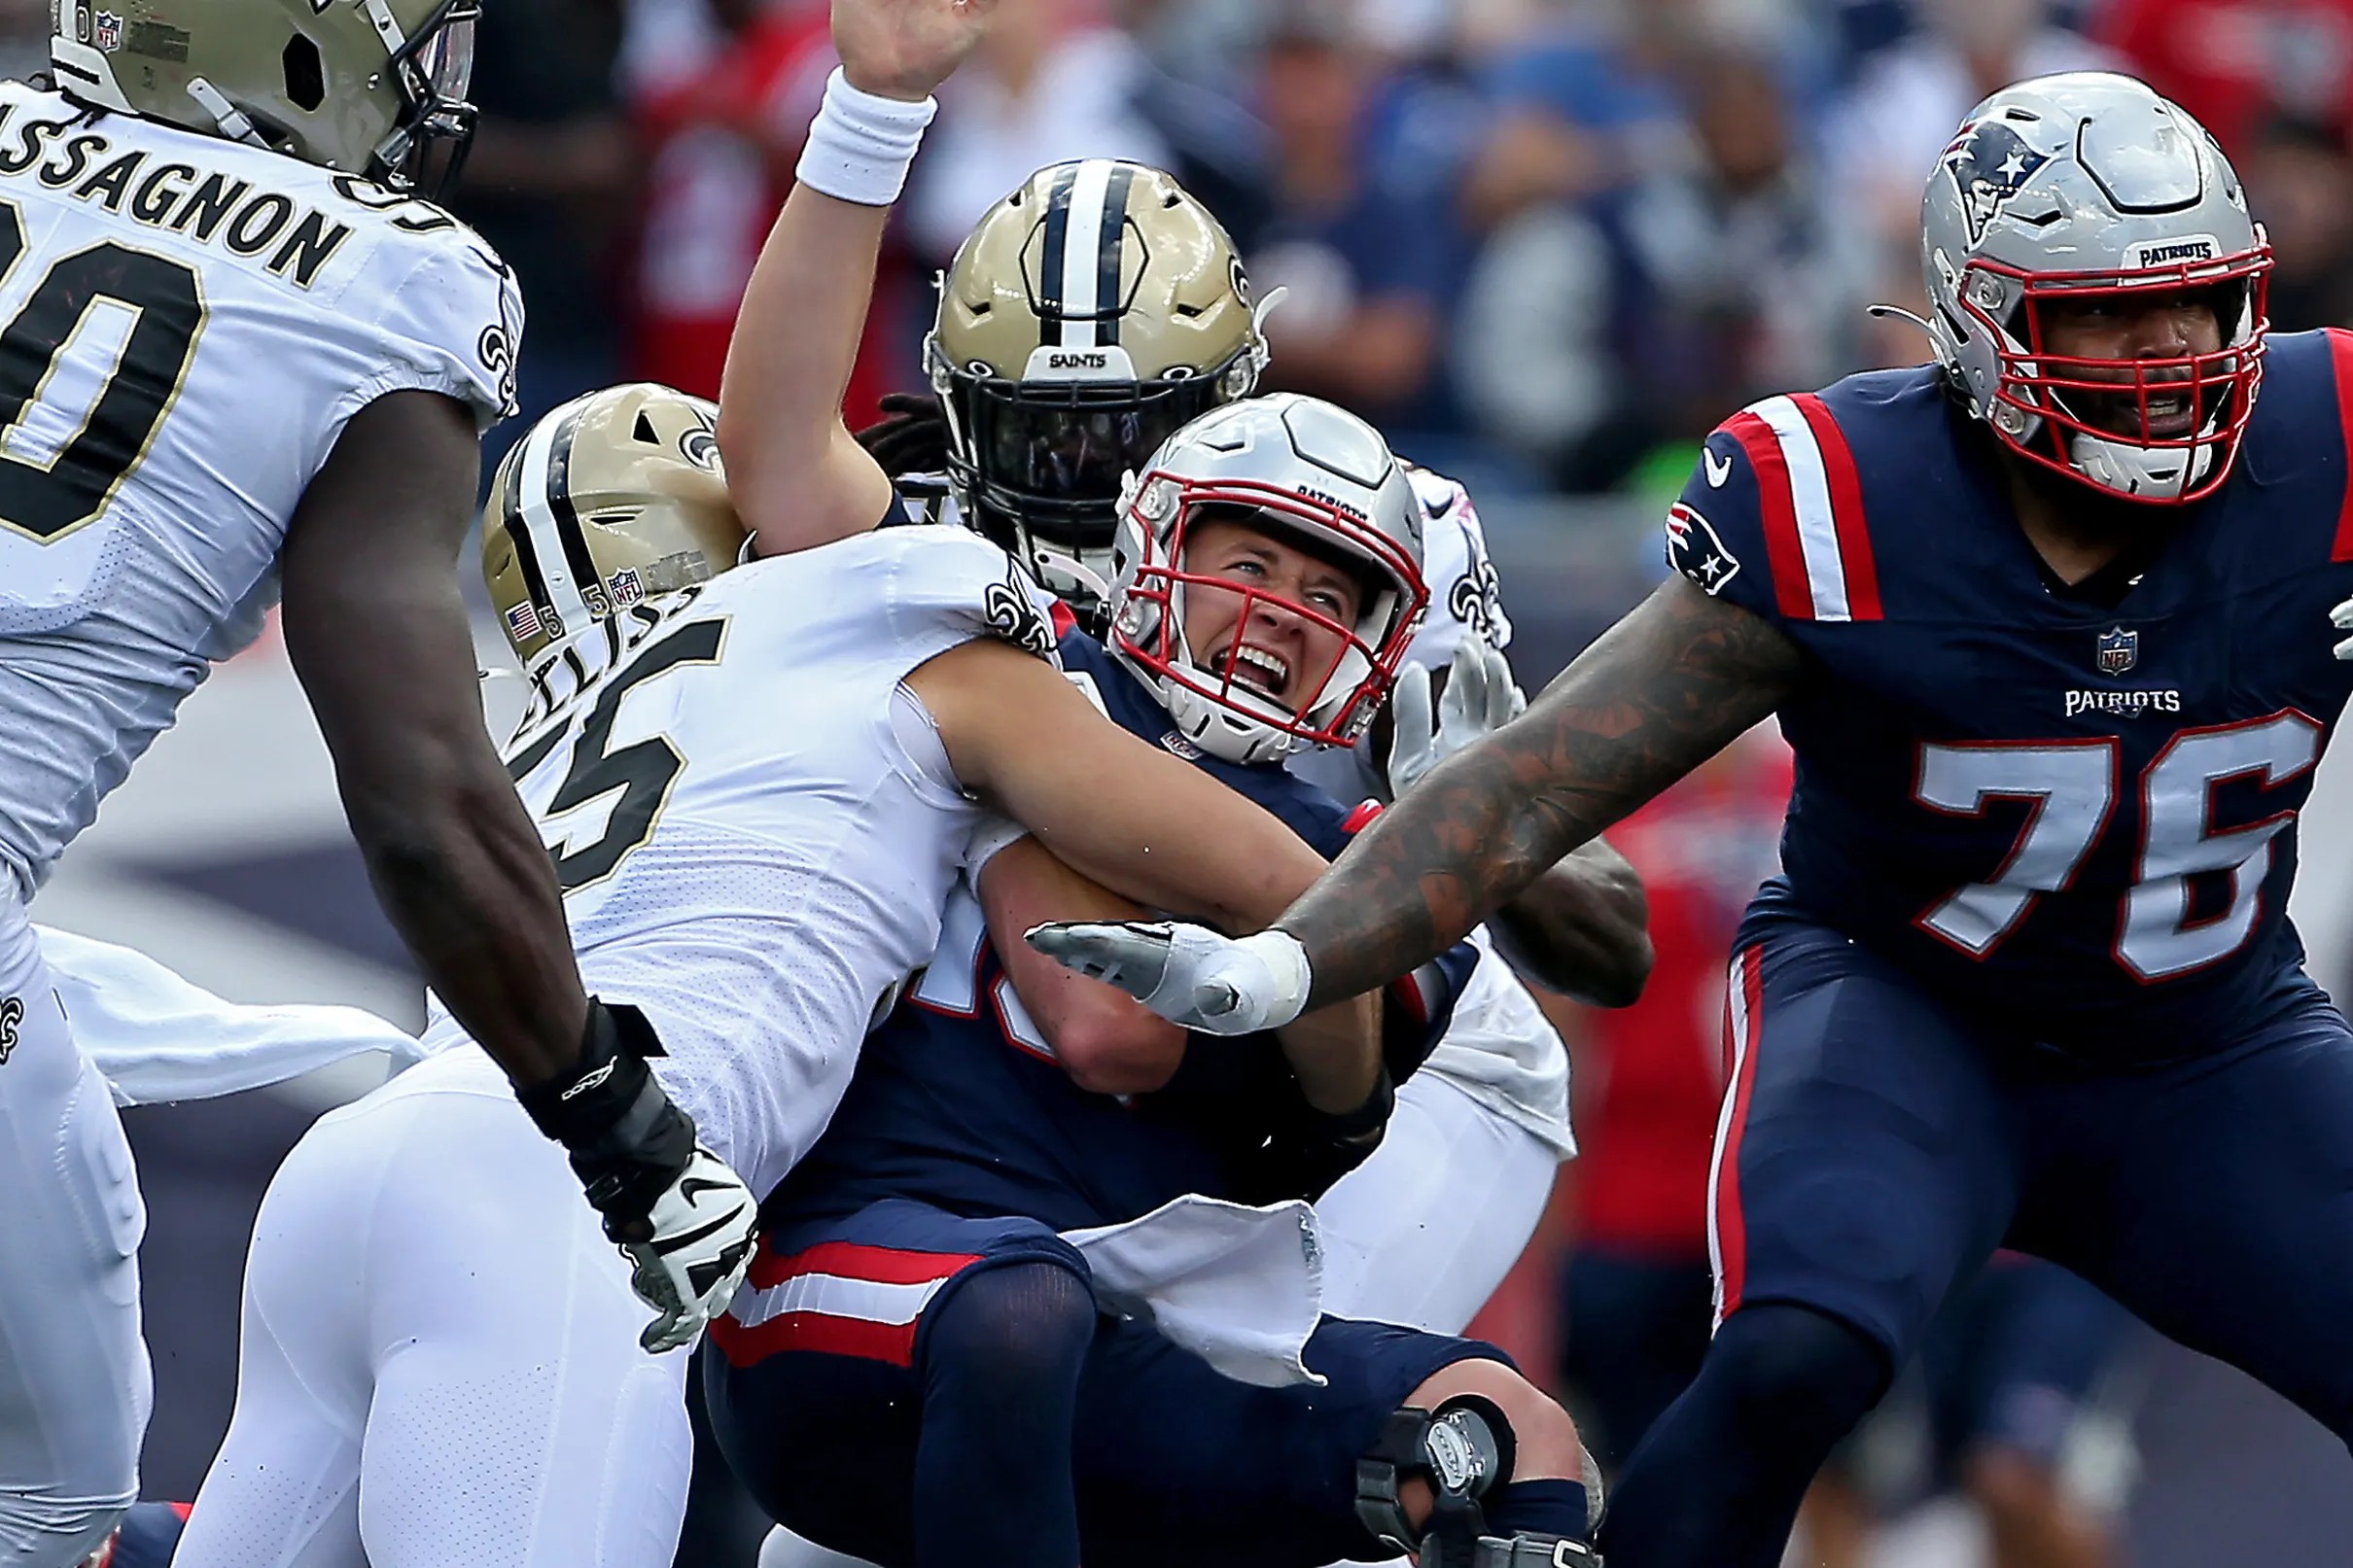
(305, 73)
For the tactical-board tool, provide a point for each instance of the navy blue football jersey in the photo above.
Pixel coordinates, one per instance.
(2079, 816)
(958, 1100)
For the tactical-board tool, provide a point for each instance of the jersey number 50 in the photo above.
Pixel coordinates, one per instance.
(2071, 787)
(46, 497)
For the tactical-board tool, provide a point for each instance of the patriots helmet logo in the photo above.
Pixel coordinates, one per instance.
(1988, 165)
(1696, 549)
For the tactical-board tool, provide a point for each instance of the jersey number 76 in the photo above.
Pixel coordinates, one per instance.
(2071, 787)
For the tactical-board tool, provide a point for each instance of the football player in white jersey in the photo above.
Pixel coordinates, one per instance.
(1091, 314)
(758, 783)
(238, 352)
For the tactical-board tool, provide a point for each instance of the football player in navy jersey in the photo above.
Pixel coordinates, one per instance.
(924, 1370)
(2045, 621)
(916, 1334)
(1029, 438)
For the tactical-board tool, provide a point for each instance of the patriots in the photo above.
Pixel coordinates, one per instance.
(1988, 165)
(1987, 800)
(1697, 551)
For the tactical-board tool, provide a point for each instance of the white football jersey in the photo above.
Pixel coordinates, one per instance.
(186, 324)
(1498, 1048)
(754, 826)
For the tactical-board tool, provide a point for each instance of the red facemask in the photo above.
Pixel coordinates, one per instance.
(1147, 625)
(2220, 387)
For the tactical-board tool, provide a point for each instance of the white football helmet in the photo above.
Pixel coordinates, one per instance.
(1303, 468)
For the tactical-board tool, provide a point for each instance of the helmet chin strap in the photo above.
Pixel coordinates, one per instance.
(2128, 468)
(2116, 466)
(1225, 725)
(2125, 469)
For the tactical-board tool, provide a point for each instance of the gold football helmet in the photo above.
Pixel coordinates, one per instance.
(1087, 318)
(614, 498)
(362, 87)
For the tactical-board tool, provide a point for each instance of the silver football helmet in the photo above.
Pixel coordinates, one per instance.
(2090, 184)
(1301, 467)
